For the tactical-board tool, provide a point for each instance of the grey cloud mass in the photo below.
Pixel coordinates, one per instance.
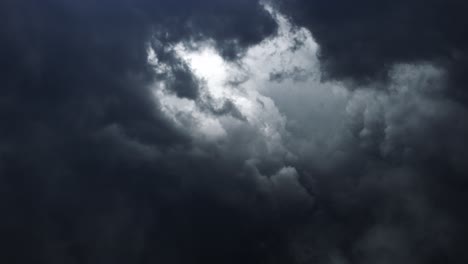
(362, 40)
(221, 131)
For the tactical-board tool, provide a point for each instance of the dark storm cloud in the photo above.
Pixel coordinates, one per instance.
(363, 39)
(91, 171)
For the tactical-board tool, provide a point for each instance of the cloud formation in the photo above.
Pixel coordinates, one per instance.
(362, 40)
(205, 132)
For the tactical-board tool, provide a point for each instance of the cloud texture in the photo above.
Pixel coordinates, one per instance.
(221, 131)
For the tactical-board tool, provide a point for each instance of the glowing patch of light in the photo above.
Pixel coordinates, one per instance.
(220, 84)
(208, 65)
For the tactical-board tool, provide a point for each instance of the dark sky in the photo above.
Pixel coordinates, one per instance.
(233, 131)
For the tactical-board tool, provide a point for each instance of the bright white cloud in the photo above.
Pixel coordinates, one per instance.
(290, 112)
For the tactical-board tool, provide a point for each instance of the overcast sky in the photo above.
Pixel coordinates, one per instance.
(222, 131)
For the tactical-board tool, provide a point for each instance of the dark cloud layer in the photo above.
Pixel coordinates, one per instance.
(362, 39)
(93, 171)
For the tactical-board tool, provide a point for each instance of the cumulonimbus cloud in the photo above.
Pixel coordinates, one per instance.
(116, 148)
